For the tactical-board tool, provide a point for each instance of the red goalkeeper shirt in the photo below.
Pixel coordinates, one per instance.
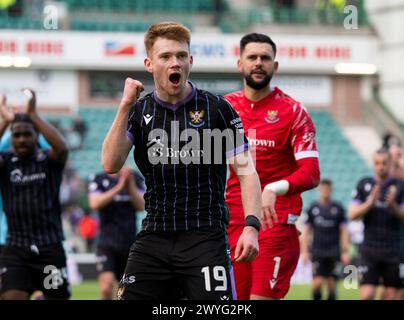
(280, 132)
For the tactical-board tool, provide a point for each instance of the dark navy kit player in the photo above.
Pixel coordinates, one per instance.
(182, 246)
(327, 229)
(117, 198)
(33, 257)
(379, 201)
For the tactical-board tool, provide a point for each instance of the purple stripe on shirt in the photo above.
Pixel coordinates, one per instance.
(356, 201)
(402, 204)
(233, 284)
(234, 152)
(179, 103)
(130, 136)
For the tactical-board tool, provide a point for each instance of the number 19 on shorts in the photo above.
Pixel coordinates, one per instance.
(219, 277)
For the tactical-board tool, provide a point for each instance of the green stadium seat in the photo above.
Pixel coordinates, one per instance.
(339, 161)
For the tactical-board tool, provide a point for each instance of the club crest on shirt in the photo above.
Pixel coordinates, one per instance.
(196, 118)
(272, 117)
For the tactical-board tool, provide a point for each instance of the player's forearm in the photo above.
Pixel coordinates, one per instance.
(136, 197)
(305, 239)
(116, 144)
(251, 194)
(357, 211)
(306, 177)
(98, 201)
(51, 135)
(344, 239)
(3, 127)
(243, 165)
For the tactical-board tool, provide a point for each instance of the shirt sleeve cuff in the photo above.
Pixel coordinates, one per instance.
(236, 151)
(130, 136)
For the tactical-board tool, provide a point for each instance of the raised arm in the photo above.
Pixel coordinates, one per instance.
(6, 115)
(59, 150)
(116, 144)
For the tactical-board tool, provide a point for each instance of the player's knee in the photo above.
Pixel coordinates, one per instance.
(106, 293)
(106, 289)
(390, 294)
(367, 293)
(14, 295)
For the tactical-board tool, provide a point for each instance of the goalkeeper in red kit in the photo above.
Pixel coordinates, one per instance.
(282, 137)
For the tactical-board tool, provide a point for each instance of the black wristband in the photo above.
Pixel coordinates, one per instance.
(252, 221)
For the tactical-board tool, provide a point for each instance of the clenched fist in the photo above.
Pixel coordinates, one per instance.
(131, 92)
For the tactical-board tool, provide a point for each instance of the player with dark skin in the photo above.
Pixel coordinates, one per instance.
(25, 128)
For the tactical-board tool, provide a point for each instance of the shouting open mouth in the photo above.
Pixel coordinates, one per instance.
(175, 78)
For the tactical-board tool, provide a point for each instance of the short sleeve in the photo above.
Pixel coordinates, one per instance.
(130, 132)
(230, 123)
(94, 184)
(303, 133)
(309, 218)
(357, 195)
(342, 215)
(43, 144)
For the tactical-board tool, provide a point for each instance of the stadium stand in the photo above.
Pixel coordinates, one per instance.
(87, 160)
(141, 6)
(135, 16)
(339, 161)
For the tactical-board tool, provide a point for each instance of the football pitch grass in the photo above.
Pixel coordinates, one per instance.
(88, 290)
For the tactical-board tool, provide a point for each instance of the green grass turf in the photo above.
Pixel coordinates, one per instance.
(303, 292)
(88, 290)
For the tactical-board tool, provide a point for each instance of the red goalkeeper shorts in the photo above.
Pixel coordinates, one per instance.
(270, 273)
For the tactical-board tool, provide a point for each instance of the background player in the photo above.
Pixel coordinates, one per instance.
(379, 201)
(5, 145)
(183, 239)
(287, 164)
(117, 197)
(30, 180)
(326, 223)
